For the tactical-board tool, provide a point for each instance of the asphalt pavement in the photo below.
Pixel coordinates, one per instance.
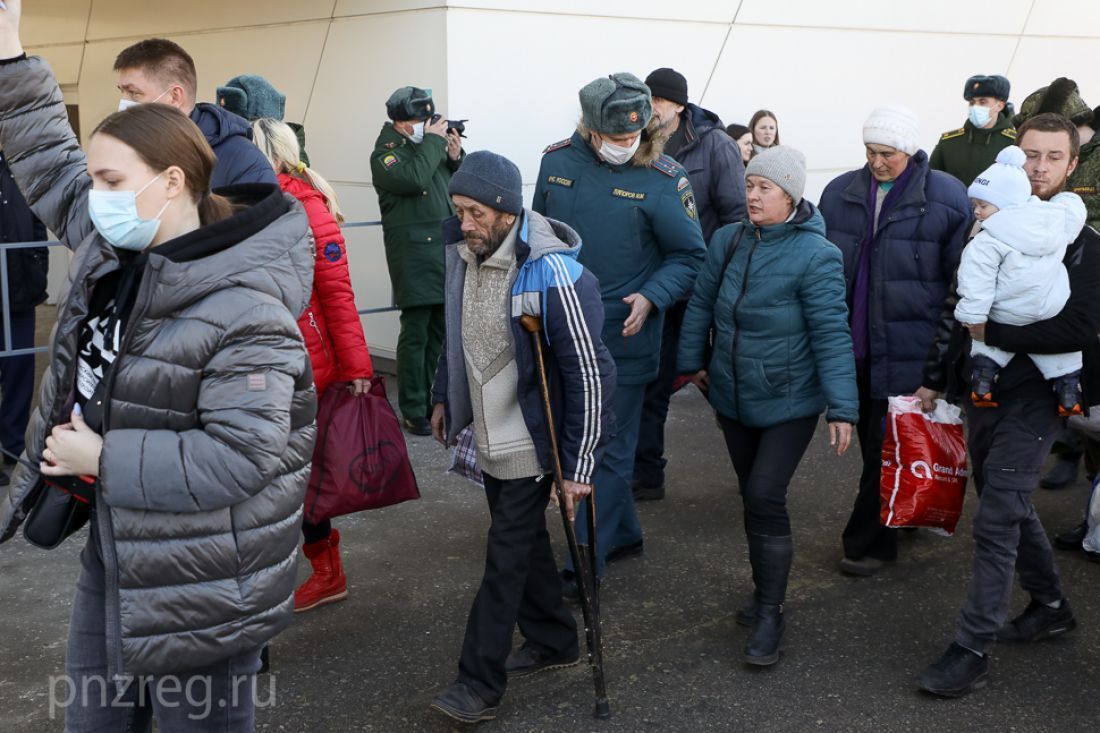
(852, 651)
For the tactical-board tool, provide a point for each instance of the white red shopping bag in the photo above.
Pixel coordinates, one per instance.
(924, 468)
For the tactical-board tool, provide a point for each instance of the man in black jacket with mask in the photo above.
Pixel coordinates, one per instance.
(1008, 443)
(712, 159)
(27, 268)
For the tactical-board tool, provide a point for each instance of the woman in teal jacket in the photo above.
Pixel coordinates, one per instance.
(770, 300)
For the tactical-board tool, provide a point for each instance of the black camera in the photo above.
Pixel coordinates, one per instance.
(458, 126)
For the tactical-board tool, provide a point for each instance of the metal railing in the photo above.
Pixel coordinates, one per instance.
(5, 290)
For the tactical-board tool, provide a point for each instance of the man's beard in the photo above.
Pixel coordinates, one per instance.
(1049, 190)
(486, 247)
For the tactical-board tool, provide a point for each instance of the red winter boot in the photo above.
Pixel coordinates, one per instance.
(328, 583)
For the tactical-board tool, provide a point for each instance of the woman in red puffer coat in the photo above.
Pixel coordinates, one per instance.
(331, 327)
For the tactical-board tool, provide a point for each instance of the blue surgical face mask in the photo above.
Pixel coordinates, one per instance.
(115, 216)
(979, 116)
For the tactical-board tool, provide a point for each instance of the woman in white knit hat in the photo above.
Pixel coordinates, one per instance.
(901, 227)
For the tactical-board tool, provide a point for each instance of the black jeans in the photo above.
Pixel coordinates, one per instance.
(1008, 445)
(765, 459)
(316, 532)
(16, 384)
(865, 536)
(649, 456)
(520, 585)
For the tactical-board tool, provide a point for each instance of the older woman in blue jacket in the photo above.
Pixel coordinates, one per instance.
(770, 302)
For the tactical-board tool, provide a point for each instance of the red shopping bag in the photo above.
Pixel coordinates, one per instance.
(924, 469)
(360, 460)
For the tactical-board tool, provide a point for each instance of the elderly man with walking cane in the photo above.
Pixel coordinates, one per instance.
(510, 271)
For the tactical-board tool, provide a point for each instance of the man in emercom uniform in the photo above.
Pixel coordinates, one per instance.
(504, 263)
(636, 213)
(411, 165)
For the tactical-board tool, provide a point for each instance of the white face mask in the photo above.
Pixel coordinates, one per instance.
(125, 104)
(979, 116)
(617, 154)
(417, 134)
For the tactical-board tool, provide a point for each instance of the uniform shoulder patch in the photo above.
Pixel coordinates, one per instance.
(668, 166)
(953, 133)
(558, 145)
(1010, 133)
(389, 160)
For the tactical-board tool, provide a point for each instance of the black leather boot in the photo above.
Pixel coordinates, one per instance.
(771, 566)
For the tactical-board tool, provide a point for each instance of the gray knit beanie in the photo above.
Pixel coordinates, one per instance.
(782, 165)
(490, 179)
(616, 104)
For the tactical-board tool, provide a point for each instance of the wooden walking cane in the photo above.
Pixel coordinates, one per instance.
(584, 556)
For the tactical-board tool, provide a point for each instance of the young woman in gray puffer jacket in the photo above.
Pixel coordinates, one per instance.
(176, 334)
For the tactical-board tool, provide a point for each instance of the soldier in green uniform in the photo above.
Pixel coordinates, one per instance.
(1063, 97)
(969, 150)
(411, 167)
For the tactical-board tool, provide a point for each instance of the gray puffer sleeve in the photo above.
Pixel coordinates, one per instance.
(41, 149)
(244, 408)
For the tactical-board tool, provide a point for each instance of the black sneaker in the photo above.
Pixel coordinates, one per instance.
(526, 660)
(1068, 389)
(570, 590)
(1039, 622)
(418, 425)
(982, 378)
(463, 704)
(621, 553)
(1071, 539)
(958, 672)
(1062, 475)
(647, 492)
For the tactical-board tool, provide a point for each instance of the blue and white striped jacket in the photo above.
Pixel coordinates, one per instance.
(552, 285)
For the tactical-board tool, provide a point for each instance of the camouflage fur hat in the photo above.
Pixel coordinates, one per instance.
(1060, 97)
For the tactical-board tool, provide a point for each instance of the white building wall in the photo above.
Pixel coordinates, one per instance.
(514, 67)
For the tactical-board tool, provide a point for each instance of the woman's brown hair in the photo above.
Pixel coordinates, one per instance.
(761, 114)
(163, 137)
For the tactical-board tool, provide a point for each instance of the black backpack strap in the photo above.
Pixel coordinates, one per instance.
(729, 255)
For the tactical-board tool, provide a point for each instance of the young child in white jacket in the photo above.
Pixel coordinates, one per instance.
(1012, 272)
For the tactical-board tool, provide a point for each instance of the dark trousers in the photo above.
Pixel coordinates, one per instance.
(1008, 445)
(520, 585)
(16, 384)
(418, 346)
(316, 532)
(616, 516)
(765, 459)
(649, 457)
(865, 536)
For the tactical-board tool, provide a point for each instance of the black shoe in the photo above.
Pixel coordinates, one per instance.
(762, 648)
(647, 492)
(958, 672)
(570, 591)
(265, 660)
(1039, 622)
(527, 660)
(418, 425)
(621, 553)
(982, 378)
(1062, 475)
(1071, 539)
(463, 704)
(864, 567)
(1068, 389)
(747, 615)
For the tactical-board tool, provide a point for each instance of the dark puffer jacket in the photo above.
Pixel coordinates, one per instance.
(781, 344)
(712, 160)
(208, 425)
(230, 136)
(916, 252)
